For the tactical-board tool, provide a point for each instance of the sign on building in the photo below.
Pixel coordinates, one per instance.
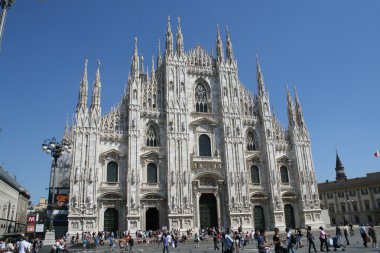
(39, 228)
(30, 229)
(31, 219)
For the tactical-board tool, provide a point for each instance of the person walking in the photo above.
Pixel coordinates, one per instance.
(363, 234)
(277, 241)
(345, 232)
(310, 239)
(290, 238)
(323, 238)
(165, 241)
(372, 234)
(299, 243)
(338, 233)
(215, 239)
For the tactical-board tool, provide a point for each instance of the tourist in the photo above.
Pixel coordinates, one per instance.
(290, 239)
(23, 246)
(277, 241)
(165, 241)
(323, 238)
(363, 234)
(345, 232)
(9, 246)
(299, 243)
(215, 239)
(352, 232)
(372, 234)
(310, 239)
(131, 242)
(262, 245)
(338, 233)
(228, 242)
(111, 243)
(196, 240)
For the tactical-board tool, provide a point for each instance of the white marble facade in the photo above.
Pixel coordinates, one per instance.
(188, 137)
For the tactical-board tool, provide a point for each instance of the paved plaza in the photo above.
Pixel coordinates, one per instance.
(207, 246)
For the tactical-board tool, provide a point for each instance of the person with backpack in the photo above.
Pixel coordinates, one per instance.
(292, 240)
(363, 234)
(23, 246)
(228, 242)
(131, 242)
(299, 235)
(165, 241)
(277, 241)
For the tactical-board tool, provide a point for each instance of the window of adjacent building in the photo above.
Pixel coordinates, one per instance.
(255, 176)
(352, 193)
(340, 194)
(343, 207)
(201, 98)
(152, 173)
(366, 205)
(151, 136)
(112, 172)
(357, 220)
(204, 145)
(369, 219)
(364, 191)
(250, 140)
(320, 196)
(331, 208)
(284, 175)
(378, 203)
(329, 195)
(333, 221)
(354, 207)
(376, 190)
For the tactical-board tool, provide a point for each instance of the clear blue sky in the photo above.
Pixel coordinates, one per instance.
(328, 49)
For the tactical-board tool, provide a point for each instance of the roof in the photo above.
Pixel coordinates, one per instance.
(12, 182)
(370, 179)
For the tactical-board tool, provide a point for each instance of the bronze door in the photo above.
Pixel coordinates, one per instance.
(258, 214)
(289, 216)
(208, 215)
(111, 220)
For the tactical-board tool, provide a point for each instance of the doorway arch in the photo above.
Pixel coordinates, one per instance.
(259, 217)
(152, 219)
(208, 214)
(111, 220)
(289, 216)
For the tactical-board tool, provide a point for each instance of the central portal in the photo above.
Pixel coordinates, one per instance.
(111, 220)
(152, 219)
(208, 215)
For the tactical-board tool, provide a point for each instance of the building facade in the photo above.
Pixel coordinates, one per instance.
(351, 201)
(14, 202)
(189, 146)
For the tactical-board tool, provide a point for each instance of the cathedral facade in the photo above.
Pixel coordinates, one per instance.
(189, 146)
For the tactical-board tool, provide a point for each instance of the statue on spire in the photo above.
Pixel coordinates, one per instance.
(180, 47)
(169, 39)
(83, 90)
(219, 46)
(229, 50)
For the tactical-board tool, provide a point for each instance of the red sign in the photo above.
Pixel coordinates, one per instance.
(30, 229)
(32, 219)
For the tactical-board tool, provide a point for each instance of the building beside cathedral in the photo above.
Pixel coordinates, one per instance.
(189, 146)
(351, 201)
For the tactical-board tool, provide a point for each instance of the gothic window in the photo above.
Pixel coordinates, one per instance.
(201, 98)
(151, 136)
(352, 193)
(204, 145)
(284, 175)
(343, 207)
(329, 195)
(255, 176)
(112, 172)
(251, 143)
(151, 173)
(340, 194)
(134, 94)
(154, 101)
(366, 205)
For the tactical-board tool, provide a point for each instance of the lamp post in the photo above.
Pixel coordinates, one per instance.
(5, 5)
(55, 149)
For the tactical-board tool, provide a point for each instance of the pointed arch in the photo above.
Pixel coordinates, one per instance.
(202, 96)
(250, 139)
(152, 135)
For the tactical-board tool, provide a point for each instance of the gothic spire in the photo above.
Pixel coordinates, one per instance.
(142, 64)
(180, 48)
(290, 108)
(219, 46)
(260, 78)
(159, 59)
(298, 109)
(339, 169)
(169, 39)
(67, 129)
(152, 77)
(83, 90)
(229, 50)
(95, 102)
(135, 61)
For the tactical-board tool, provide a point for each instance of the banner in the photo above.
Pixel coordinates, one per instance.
(39, 228)
(30, 229)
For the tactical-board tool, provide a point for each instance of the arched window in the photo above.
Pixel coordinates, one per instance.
(284, 175)
(255, 177)
(112, 172)
(204, 145)
(151, 136)
(251, 143)
(151, 173)
(201, 98)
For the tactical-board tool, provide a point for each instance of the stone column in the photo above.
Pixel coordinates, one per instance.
(217, 196)
(197, 205)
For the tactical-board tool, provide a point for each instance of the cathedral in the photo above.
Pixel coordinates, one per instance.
(189, 146)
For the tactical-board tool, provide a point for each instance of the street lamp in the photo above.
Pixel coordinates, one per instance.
(55, 149)
(5, 5)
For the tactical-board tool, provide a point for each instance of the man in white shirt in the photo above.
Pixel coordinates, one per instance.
(24, 246)
(2, 245)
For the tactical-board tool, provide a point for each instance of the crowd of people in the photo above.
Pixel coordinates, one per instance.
(20, 245)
